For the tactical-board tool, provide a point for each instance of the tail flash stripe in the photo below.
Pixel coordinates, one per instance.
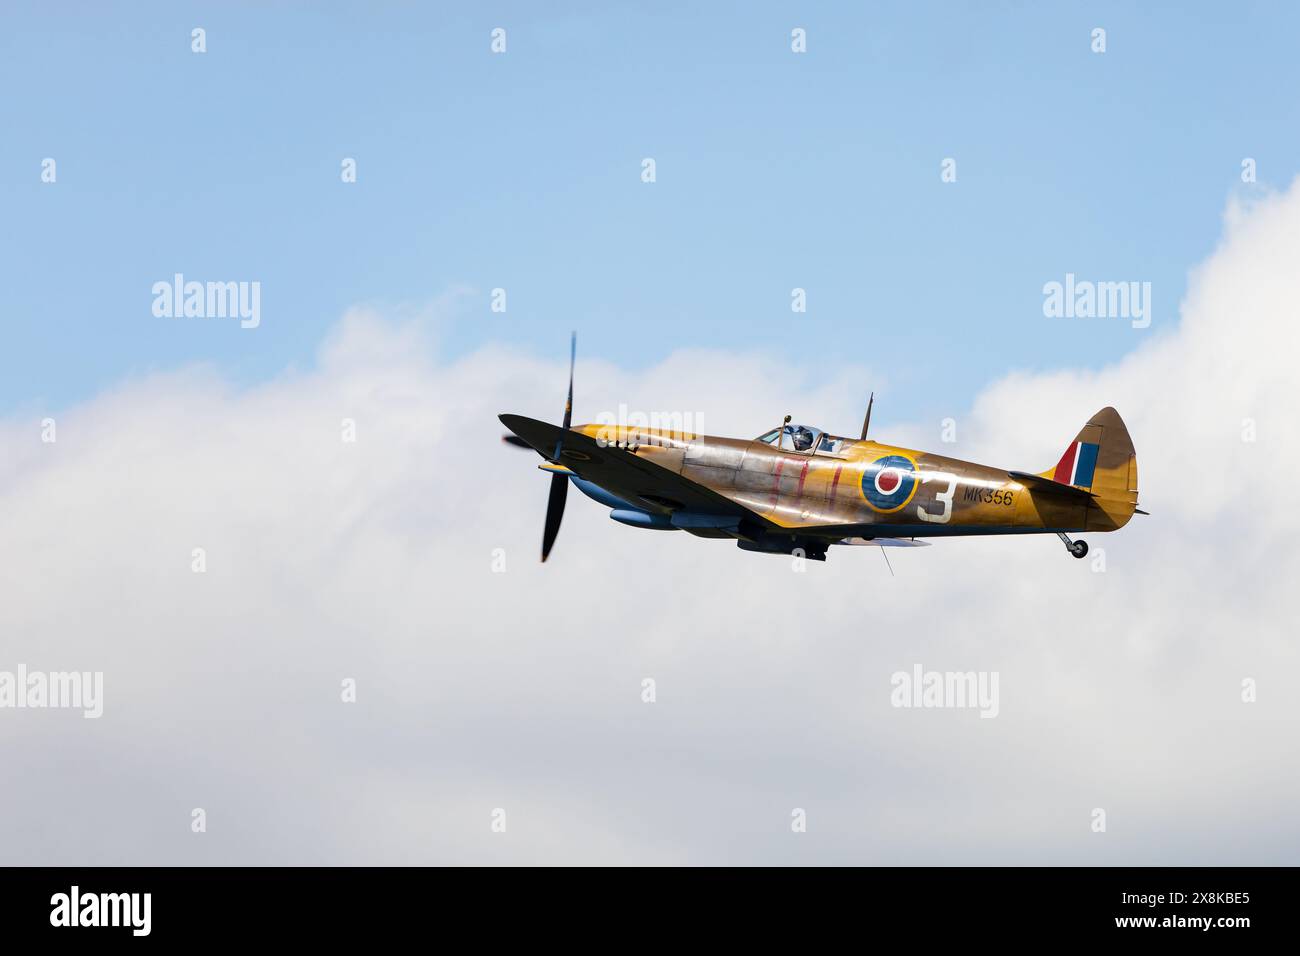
(1085, 464)
(1065, 467)
(1077, 465)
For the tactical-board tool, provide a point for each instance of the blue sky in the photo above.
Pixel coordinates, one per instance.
(522, 171)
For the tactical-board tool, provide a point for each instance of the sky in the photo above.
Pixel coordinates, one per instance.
(405, 561)
(522, 171)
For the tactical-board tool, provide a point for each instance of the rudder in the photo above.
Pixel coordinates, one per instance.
(1101, 460)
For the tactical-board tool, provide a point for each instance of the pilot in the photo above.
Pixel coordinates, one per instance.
(803, 438)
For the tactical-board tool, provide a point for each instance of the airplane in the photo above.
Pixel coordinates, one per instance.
(798, 490)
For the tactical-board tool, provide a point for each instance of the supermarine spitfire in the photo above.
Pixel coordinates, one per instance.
(796, 489)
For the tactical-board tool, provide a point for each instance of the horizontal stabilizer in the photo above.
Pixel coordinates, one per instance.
(1039, 483)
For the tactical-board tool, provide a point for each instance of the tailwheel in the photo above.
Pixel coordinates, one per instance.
(1077, 548)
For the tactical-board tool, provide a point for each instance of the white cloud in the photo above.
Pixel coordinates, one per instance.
(521, 690)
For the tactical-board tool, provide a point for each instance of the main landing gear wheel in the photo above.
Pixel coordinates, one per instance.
(1077, 548)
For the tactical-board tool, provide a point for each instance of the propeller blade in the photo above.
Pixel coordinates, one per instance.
(568, 403)
(554, 512)
(559, 483)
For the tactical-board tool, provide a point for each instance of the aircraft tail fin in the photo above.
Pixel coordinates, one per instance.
(1101, 460)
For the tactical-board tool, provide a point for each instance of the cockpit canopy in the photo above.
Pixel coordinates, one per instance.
(803, 438)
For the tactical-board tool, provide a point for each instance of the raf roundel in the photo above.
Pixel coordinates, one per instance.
(889, 482)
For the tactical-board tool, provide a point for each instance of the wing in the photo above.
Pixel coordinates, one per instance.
(633, 478)
(885, 542)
